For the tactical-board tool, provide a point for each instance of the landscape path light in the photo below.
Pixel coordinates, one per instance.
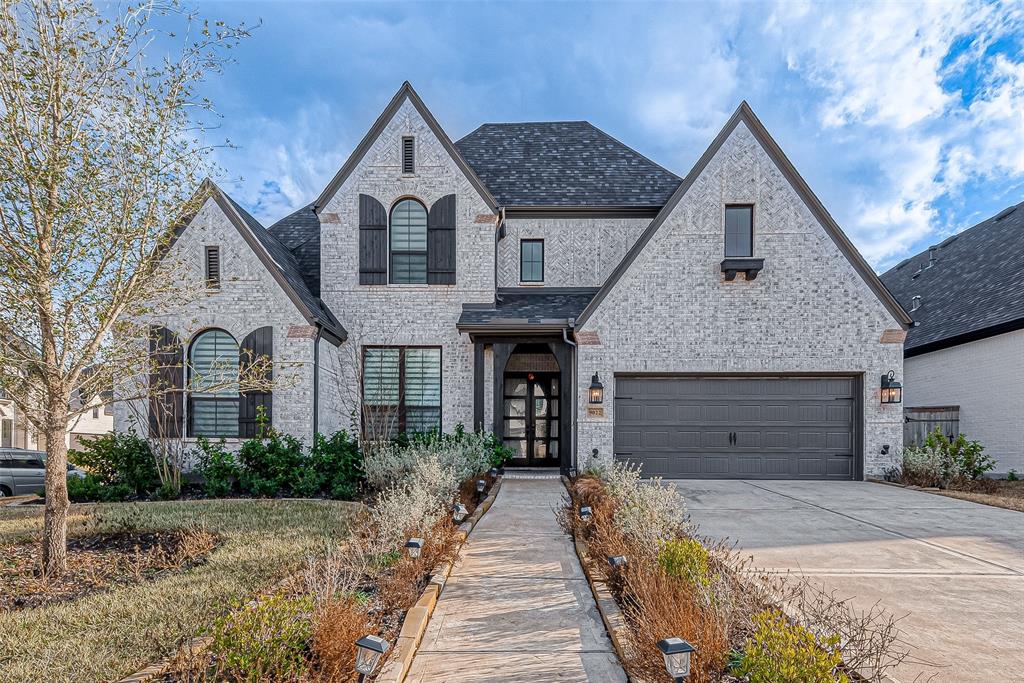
(617, 562)
(586, 513)
(480, 486)
(676, 652)
(459, 513)
(414, 546)
(369, 650)
(493, 472)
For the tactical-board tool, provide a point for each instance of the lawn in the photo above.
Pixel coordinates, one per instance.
(113, 633)
(1000, 493)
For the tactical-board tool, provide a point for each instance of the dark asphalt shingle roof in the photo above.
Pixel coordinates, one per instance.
(530, 306)
(300, 233)
(290, 268)
(975, 283)
(564, 163)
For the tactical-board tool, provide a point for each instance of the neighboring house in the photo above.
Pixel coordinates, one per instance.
(16, 432)
(966, 295)
(547, 282)
(96, 419)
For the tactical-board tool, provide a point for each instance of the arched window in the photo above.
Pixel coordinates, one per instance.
(408, 242)
(213, 385)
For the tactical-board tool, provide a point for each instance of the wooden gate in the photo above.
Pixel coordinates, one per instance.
(918, 422)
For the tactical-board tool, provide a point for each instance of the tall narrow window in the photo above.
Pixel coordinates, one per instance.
(408, 155)
(213, 267)
(739, 231)
(409, 243)
(531, 261)
(213, 385)
(401, 390)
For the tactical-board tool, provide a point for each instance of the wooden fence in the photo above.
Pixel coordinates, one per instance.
(917, 422)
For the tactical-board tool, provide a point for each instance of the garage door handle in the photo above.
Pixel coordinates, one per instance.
(617, 454)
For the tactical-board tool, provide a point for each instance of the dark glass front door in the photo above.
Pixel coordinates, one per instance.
(531, 418)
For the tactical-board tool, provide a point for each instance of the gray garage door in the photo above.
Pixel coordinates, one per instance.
(737, 427)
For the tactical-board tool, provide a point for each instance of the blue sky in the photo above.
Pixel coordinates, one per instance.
(906, 119)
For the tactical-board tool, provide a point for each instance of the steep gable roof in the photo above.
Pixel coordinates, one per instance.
(299, 232)
(564, 163)
(279, 261)
(746, 115)
(971, 284)
(405, 92)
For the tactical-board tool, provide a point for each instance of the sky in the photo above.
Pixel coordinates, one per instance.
(907, 120)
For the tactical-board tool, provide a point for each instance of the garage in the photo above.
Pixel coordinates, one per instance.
(728, 427)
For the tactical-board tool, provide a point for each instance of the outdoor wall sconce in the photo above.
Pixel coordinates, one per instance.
(586, 513)
(892, 391)
(369, 650)
(596, 390)
(414, 546)
(459, 513)
(676, 652)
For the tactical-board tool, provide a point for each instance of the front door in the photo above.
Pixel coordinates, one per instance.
(531, 418)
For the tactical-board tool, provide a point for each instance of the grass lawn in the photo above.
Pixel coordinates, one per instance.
(111, 634)
(1005, 494)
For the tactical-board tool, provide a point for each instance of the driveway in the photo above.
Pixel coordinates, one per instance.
(953, 570)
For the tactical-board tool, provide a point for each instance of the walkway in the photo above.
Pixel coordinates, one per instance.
(518, 607)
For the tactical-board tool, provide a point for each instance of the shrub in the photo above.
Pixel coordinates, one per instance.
(336, 628)
(417, 502)
(119, 459)
(339, 464)
(686, 559)
(465, 453)
(944, 462)
(781, 652)
(649, 511)
(267, 641)
(271, 466)
(924, 466)
(90, 488)
(217, 467)
(1012, 476)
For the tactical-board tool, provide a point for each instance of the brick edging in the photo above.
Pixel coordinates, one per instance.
(397, 666)
(611, 615)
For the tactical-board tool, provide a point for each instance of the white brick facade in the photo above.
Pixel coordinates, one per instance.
(984, 378)
(807, 311)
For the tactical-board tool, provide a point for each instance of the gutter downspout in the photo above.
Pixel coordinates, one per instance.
(316, 380)
(575, 397)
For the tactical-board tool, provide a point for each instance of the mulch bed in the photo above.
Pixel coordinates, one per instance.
(98, 562)
(995, 492)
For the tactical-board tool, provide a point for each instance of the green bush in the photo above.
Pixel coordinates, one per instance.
(781, 652)
(686, 559)
(217, 467)
(121, 460)
(90, 489)
(338, 464)
(271, 466)
(961, 458)
(267, 642)
(1012, 476)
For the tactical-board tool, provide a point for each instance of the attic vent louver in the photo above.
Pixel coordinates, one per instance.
(1005, 212)
(408, 155)
(915, 303)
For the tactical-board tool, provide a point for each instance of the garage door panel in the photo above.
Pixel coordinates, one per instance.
(751, 427)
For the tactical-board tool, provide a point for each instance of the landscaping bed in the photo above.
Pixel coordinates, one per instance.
(121, 627)
(744, 625)
(996, 492)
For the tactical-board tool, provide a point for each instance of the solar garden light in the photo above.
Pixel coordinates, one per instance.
(414, 546)
(676, 652)
(480, 486)
(586, 514)
(369, 650)
(617, 562)
(493, 472)
(459, 512)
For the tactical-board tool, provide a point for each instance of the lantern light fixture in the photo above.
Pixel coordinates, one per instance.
(459, 512)
(892, 391)
(596, 390)
(480, 485)
(493, 472)
(369, 650)
(586, 514)
(677, 653)
(414, 546)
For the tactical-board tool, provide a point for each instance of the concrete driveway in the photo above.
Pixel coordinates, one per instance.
(953, 570)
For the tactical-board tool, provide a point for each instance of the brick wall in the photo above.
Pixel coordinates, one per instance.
(807, 311)
(985, 378)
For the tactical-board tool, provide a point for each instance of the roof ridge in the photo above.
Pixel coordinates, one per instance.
(635, 151)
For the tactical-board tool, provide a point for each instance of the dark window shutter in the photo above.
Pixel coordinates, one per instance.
(256, 344)
(441, 242)
(167, 383)
(373, 242)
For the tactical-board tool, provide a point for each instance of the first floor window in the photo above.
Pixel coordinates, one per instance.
(401, 390)
(213, 385)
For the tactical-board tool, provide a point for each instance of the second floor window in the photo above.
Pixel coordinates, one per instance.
(213, 385)
(531, 261)
(409, 243)
(739, 231)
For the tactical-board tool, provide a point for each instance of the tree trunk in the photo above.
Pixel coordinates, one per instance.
(55, 521)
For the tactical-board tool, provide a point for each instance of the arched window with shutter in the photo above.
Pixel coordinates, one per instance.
(408, 242)
(213, 385)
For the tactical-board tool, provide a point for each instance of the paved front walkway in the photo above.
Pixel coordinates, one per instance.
(518, 607)
(953, 570)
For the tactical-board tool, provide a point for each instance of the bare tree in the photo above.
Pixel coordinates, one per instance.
(101, 149)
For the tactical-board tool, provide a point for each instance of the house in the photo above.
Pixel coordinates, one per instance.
(547, 282)
(95, 418)
(966, 295)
